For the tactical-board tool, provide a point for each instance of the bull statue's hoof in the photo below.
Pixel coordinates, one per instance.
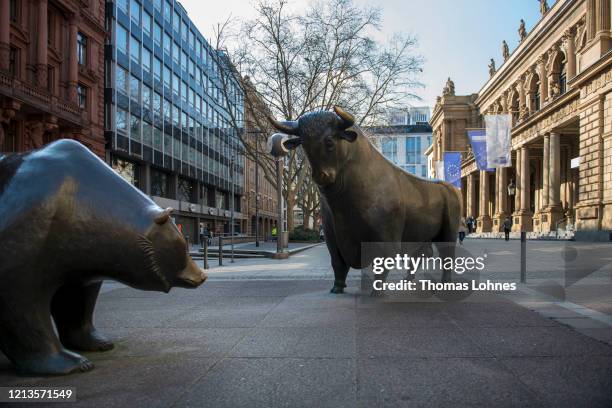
(337, 289)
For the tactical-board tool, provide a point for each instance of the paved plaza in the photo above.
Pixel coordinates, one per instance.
(267, 333)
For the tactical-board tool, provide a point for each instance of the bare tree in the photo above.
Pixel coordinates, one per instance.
(316, 59)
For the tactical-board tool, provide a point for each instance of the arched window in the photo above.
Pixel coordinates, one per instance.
(562, 77)
(535, 92)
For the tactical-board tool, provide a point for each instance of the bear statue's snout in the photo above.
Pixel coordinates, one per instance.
(192, 276)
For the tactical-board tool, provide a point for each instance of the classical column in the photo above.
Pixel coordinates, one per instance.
(42, 44)
(543, 80)
(603, 15)
(469, 195)
(5, 34)
(73, 68)
(525, 222)
(570, 53)
(590, 19)
(545, 171)
(518, 182)
(484, 218)
(554, 185)
(522, 99)
(501, 198)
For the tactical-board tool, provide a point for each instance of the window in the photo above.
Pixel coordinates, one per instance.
(167, 11)
(160, 184)
(176, 22)
(413, 150)
(121, 120)
(157, 64)
(184, 91)
(82, 48)
(135, 50)
(122, 80)
(134, 127)
(127, 170)
(167, 77)
(389, 148)
(135, 12)
(146, 60)
(186, 190)
(176, 50)
(157, 106)
(146, 96)
(14, 10)
(167, 44)
(184, 60)
(50, 78)
(82, 96)
(13, 61)
(122, 42)
(157, 5)
(146, 23)
(176, 84)
(123, 5)
(135, 88)
(147, 130)
(157, 34)
(562, 78)
(184, 30)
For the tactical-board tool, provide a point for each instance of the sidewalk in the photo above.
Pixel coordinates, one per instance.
(267, 333)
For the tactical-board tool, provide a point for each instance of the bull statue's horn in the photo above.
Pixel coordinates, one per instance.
(348, 120)
(289, 127)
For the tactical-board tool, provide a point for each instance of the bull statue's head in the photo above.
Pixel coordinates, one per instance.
(325, 137)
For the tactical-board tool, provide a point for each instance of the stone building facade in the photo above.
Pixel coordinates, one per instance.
(557, 85)
(262, 193)
(51, 73)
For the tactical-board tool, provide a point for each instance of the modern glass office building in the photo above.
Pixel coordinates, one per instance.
(166, 117)
(404, 145)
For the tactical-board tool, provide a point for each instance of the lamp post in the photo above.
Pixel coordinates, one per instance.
(511, 193)
(256, 191)
(232, 160)
(279, 198)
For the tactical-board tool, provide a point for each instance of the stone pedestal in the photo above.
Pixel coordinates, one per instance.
(522, 221)
(484, 224)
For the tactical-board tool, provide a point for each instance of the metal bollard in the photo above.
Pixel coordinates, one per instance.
(205, 251)
(523, 257)
(220, 250)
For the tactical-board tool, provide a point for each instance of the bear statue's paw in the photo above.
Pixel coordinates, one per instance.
(86, 340)
(60, 363)
(337, 289)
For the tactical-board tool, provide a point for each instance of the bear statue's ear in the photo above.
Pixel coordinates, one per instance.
(164, 216)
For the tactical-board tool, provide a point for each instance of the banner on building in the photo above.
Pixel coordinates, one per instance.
(498, 140)
(439, 169)
(478, 141)
(452, 168)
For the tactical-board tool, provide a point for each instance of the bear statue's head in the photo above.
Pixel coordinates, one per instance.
(167, 256)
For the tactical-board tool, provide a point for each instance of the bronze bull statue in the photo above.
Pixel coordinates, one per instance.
(364, 197)
(68, 221)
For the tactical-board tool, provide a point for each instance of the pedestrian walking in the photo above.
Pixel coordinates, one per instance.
(507, 227)
(462, 230)
(470, 224)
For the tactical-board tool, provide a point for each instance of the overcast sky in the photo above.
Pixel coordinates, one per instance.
(456, 37)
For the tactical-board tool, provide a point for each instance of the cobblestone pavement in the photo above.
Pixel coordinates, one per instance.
(267, 333)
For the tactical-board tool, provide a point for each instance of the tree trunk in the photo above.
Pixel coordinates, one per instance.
(290, 205)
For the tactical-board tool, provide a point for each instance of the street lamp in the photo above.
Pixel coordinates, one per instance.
(278, 150)
(232, 160)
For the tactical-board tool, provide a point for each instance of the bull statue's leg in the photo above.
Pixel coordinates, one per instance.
(72, 308)
(338, 264)
(28, 340)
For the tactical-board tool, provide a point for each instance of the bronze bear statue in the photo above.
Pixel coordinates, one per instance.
(67, 222)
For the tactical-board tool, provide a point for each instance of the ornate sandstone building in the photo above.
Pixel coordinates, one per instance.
(51, 73)
(557, 85)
